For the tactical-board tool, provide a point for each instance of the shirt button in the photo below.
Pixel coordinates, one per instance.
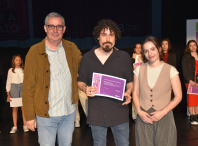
(151, 90)
(45, 102)
(47, 71)
(152, 105)
(151, 100)
(45, 114)
(151, 95)
(46, 86)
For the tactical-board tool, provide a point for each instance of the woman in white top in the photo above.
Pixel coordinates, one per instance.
(136, 58)
(14, 89)
(152, 98)
(137, 55)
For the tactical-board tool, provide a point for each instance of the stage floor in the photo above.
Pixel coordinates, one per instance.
(187, 135)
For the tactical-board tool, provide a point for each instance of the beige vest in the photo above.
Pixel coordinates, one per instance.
(159, 96)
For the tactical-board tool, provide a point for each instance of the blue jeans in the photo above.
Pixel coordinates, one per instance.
(120, 133)
(63, 126)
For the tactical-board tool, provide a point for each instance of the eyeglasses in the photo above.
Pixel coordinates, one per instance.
(52, 27)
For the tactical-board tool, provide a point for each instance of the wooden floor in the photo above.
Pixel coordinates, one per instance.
(187, 135)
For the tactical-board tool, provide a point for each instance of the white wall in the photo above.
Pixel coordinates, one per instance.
(191, 29)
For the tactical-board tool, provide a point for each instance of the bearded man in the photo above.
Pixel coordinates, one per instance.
(104, 112)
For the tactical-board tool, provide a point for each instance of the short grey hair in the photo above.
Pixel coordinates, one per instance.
(54, 14)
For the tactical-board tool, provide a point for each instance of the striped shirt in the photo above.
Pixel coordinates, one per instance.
(60, 91)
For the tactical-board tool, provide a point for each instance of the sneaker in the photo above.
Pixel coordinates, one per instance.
(193, 120)
(25, 129)
(13, 130)
(77, 124)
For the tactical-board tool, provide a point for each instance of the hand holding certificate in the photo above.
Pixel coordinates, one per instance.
(109, 86)
(90, 91)
(137, 64)
(16, 102)
(192, 90)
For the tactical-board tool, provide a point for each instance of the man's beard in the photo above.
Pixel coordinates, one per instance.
(107, 48)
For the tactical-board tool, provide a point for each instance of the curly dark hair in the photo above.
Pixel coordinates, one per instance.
(108, 24)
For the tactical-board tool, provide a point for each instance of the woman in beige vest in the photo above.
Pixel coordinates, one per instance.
(153, 82)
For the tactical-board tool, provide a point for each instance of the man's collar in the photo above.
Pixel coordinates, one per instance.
(41, 50)
(49, 49)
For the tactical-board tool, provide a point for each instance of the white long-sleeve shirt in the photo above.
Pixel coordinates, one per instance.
(15, 78)
(136, 58)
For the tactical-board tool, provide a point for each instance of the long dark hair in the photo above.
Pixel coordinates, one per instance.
(169, 45)
(13, 65)
(187, 50)
(155, 41)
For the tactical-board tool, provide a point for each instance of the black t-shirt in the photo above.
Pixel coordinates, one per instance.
(104, 110)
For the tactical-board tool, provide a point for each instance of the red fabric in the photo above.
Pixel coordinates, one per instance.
(192, 98)
(165, 57)
(196, 70)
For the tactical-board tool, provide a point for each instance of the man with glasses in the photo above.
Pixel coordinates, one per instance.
(50, 89)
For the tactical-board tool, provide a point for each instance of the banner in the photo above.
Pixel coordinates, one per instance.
(133, 18)
(24, 20)
(14, 20)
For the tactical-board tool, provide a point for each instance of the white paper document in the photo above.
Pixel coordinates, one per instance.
(16, 102)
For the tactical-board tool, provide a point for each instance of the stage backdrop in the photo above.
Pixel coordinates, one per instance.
(21, 21)
(192, 29)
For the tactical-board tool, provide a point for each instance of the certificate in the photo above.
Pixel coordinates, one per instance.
(16, 102)
(109, 86)
(192, 90)
(137, 64)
